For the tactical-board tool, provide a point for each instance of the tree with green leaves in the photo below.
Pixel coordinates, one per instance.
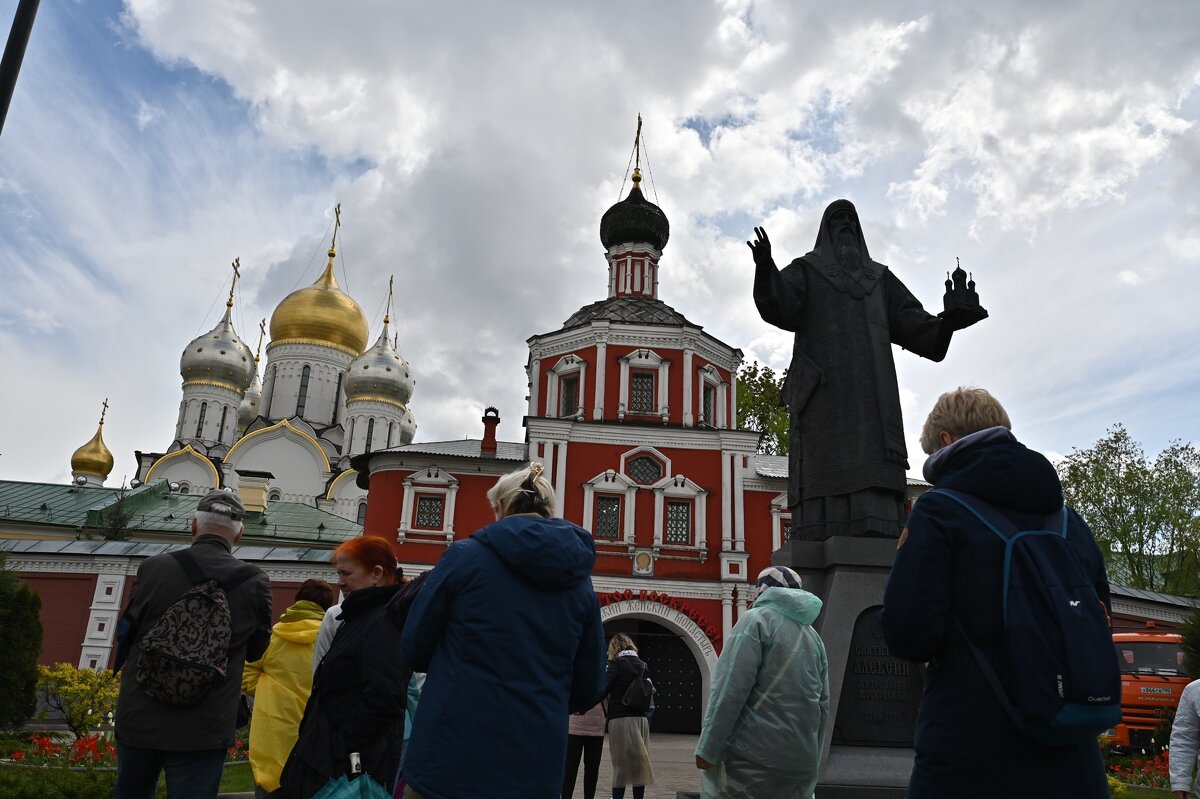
(20, 619)
(1191, 645)
(1145, 513)
(759, 408)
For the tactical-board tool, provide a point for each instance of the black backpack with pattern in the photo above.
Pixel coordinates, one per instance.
(186, 652)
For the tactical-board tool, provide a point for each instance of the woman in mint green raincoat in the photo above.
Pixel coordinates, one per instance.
(769, 702)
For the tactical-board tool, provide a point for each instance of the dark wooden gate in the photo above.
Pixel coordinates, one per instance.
(674, 670)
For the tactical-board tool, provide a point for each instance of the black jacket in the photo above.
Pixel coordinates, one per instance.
(620, 673)
(210, 724)
(951, 567)
(358, 699)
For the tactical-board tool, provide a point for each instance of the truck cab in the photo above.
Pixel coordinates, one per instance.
(1152, 680)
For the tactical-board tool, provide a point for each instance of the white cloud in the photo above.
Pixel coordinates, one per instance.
(147, 114)
(474, 148)
(1129, 277)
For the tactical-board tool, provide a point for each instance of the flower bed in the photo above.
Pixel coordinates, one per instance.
(1151, 772)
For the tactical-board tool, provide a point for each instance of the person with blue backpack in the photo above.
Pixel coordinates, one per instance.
(1000, 588)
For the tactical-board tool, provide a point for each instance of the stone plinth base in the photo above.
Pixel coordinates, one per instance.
(849, 574)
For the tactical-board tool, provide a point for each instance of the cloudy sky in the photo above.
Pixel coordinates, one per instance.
(1054, 148)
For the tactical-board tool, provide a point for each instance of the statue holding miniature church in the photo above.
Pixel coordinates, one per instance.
(847, 457)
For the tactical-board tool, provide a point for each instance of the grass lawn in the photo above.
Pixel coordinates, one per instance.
(1142, 793)
(238, 779)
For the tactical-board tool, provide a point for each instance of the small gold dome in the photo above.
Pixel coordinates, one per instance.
(93, 457)
(321, 312)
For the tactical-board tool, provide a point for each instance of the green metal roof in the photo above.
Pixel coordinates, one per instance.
(156, 511)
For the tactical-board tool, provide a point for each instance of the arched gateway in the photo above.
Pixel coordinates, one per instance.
(666, 628)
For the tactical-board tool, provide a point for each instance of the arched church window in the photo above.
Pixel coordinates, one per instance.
(274, 495)
(224, 417)
(302, 400)
(362, 513)
(391, 427)
(200, 421)
(337, 396)
(370, 432)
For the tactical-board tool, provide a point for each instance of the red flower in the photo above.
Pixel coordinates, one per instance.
(18, 756)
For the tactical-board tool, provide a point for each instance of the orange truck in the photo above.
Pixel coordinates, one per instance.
(1152, 680)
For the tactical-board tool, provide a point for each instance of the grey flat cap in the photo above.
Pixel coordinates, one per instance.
(223, 501)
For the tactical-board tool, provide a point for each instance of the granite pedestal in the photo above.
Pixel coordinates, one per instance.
(867, 749)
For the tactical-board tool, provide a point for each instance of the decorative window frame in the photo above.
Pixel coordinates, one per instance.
(708, 376)
(679, 487)
(419, 494)
(611, 483)
(632, 454)
(567, 365)
(360, 512)
(644, 359)
(780, 514)
(430, 480)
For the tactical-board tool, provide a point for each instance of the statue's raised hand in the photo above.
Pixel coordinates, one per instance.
(761, 247)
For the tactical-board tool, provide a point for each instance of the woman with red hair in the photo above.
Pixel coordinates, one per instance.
(356, 711)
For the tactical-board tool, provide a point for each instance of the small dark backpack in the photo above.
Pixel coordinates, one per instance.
(640, 693)
(1063, 684)
(186, 652)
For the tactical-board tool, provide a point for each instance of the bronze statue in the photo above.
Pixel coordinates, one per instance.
(847, 456)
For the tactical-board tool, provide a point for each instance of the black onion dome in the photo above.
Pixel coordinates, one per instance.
(634, 220)
(628, 309)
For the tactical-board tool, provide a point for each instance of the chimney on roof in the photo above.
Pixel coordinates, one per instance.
(491, 420)
(252, 488)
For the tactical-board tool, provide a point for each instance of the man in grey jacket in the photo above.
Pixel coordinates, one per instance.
(189, 742)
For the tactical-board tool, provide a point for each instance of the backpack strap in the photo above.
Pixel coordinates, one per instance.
(187, 562)
(995, 519)
(990, 675)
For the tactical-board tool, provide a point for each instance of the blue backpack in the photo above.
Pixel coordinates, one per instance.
(1063, 684)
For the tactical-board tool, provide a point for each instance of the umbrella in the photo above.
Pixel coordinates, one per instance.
(359, 788)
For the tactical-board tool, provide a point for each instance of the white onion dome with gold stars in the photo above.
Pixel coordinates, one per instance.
(380, 374)
(321, 314)
(94, 457)
(220, 357)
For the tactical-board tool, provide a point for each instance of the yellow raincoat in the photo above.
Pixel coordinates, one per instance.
(280, 684)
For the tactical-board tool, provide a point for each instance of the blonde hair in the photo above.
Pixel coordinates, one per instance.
(617, 643)
(523, 491)
(960, 413)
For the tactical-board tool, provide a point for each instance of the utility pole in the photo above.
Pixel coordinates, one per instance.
(14, 53)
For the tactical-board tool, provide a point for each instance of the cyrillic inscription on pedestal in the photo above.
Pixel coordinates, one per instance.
(880, 693)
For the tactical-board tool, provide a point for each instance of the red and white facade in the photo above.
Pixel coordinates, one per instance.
(631, 412)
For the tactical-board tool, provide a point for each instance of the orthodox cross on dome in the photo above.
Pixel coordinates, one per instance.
(337, 225)
(104, 411)
(262, 331)
(237, 272)
(387, 310)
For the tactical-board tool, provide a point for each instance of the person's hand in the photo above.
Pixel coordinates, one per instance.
(761, 247)
(701, 763)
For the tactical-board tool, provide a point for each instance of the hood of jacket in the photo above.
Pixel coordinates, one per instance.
(553, 554)
(794, 603)
(299, 623)
(1000, 470)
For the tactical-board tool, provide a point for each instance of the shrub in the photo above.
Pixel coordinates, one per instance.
(54, 783)
(1115, 787)
(20, 611)
(84, 697)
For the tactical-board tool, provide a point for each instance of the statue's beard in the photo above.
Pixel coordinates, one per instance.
(847, 252)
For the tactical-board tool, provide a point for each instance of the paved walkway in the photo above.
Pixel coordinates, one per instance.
(673, 759)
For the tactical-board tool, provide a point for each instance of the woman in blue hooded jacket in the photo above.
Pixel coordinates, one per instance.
(945, 594)
(508, 631)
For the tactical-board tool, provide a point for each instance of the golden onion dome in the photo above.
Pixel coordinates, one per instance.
(379, 374)
(93, 457)
(322, 314)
